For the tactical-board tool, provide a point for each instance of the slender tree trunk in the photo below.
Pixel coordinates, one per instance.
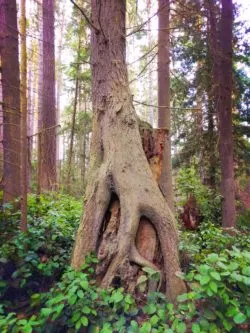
(59, 73)
(31, 106)
(1, 129)
(30, 118)
(73, 121)
(164, 113)
(48, 116)
(212, 88)
(11, 99)
(40, 99)
(84, 146)
(150, 78)
(24, 143)
(119, 167)
(225, 116)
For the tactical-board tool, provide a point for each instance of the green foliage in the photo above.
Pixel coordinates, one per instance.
(220, 289)
(31, 261)
(243, 221)
(209, 238)
(35, 268)
(217, 302)
(208, 202)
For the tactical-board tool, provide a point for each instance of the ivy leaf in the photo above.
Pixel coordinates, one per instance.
(246, 271)
(181, 328)
(213, 286)
(84, 321)
(146, 328)
(239, 318)
(80, 294)
(117, 297)
(196, 328)
(182, 298)
(46, 312)
(72, 299)
(212, 257)
(86, 309)
(76, 317)
(106, 328)
(215, 275)
(154, 320)
(150, 309)
(204, 279)
(84, 284)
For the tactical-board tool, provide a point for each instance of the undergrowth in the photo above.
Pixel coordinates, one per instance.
(39, 292)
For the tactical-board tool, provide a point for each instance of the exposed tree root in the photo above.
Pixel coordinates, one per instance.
(113, 230)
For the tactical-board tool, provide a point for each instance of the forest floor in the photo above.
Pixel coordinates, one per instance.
(39, 292)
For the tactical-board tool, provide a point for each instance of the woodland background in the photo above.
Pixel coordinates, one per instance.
(46, 115)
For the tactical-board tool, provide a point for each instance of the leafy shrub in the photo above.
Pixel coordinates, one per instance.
(208, 201)
(220, 286)
(217, 302)
(209, 238)
(243, 220)
(52, 297)
(32, 261)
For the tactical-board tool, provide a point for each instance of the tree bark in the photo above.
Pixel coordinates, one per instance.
(48, 115)
(164, 113)
(73, 121)
(212, 88)
(118, 166)
(225, 115)
(60, 73)
(24, 142)
(1, 129)
(11, 99)
(149, 76)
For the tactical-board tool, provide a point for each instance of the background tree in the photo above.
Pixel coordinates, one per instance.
(24, 131)
(224, 110)
(11, 100)
(164, 110)
(48, 179)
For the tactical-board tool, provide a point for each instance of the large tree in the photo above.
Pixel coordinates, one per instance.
(48, 117)
(119, 168)
(224, 109)
(11, 99)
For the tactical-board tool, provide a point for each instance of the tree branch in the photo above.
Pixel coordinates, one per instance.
(85, 16)
(167, 107)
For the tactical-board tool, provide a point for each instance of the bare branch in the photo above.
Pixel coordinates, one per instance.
(85, 16)
(144, 68)
(165, 106)
(143, 56)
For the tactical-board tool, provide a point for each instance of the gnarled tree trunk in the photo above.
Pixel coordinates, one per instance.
(119, 167)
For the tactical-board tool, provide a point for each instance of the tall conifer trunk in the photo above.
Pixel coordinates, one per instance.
(164, 111)
(119, 168)
(73, 119)
(225, 115)
(24, 138)
(48, 114)
(11, 99)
